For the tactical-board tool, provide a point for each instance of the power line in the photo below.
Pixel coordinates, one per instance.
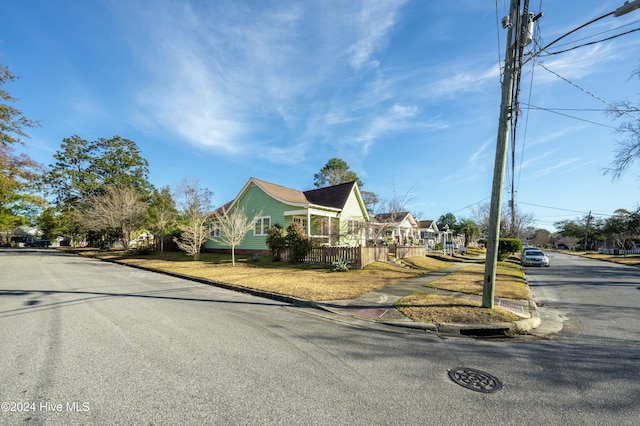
(591, 43)
(598, 34)
(613, 107)
(565, 210)
(555, 111)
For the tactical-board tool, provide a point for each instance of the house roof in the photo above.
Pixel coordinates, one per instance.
(443, 227)
(395, 216)
(282, 193)
(331, 197)
(335, 196)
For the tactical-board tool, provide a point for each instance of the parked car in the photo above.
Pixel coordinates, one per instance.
(38, 243)
(534, 257)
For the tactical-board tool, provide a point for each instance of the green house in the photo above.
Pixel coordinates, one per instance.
(331, 216)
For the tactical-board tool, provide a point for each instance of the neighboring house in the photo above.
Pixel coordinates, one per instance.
(445, 234)
(428, 233)
(332, 216)
(401, 228)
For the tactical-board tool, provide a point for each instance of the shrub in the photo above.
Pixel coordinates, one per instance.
(298, 242)
(340, 265)
(508, 246)
(276, 241)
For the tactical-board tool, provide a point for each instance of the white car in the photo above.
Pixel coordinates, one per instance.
(534, 257)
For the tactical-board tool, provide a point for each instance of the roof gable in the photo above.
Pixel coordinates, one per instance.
(335, 196)
(331, 197)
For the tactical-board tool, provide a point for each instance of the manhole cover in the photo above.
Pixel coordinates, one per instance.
(475, 380)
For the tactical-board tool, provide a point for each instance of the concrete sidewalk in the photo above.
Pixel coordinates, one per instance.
(379, 306)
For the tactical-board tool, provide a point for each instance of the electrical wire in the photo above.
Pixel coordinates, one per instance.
(598, 34)
(613, 107)
(566, 210)
(590, 43)
(555, 111)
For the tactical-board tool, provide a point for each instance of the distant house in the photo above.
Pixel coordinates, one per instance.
(335, 215)
(446, 234)
(399, 228)
(429, 233)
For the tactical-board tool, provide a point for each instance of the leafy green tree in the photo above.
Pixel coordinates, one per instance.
(570, 228)
(448, 219)
(469, 228)
(161, 215)
(12, 121)
(83, 168)
(49, 223)
(18, 199)
(335, 172)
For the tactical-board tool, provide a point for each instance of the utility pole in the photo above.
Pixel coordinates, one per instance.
(586, 232)
(513, 23)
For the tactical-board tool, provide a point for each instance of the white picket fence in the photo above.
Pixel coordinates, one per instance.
(618, 252)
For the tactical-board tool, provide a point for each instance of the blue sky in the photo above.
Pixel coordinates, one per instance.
(407, 92)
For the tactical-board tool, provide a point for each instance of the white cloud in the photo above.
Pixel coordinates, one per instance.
(222, 75)
(462, 81)
(374, 22)
(475, 165)
(562, 166)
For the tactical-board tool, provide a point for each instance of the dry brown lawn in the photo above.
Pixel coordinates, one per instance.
(510, 281)
(423, 307)
(632, 259)
(439, 309)
(302, 282)
(426, 263)
(321, 284)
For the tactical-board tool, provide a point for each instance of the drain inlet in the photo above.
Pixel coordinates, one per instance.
(475, 380)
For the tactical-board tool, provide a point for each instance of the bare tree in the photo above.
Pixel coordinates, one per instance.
(628, 148)
(386, 219)
(118, 211)
(510, 229)
(231, 227)
(194, 206)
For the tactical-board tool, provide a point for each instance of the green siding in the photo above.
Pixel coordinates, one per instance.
(257, 204)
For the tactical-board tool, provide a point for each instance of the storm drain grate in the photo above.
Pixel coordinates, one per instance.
(475, 380)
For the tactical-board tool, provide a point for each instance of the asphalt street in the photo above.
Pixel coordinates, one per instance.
(88, 342)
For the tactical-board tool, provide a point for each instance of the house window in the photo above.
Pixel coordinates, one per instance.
(261, 225)
(302, 221)
(353, 226)
(214, 230)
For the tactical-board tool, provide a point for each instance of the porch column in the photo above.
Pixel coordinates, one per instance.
(308, 224)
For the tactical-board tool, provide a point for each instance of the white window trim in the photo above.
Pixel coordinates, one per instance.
(264, 230)
(214, 230)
